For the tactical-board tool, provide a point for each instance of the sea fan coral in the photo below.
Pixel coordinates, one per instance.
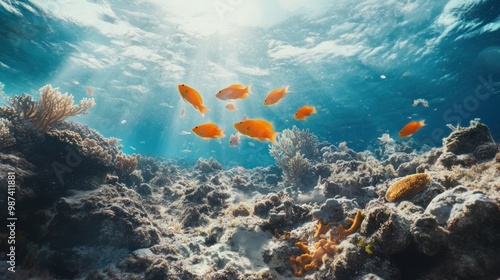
(407, 187)
(293, 141)
(52, 107)
(294, 152)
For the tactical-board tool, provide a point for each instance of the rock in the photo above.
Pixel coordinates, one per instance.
(241, 210)
(198, 194)
(138, 261)
(370, 276)
(388, 227)
(427, 235)
(159, 270)
(191, 217)
(217, 198)
(277, 219)
(103, 217)
(449, 159)
(208, 166)
(453, 203)
(335, 209)
(466, 140)
(349, 263)
(397, 159)
(145, 189)
(486, 151)
(472, 242)
(263, 207)
(229, 272)
(280, 212)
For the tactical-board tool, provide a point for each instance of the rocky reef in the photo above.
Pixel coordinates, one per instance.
(86, 210)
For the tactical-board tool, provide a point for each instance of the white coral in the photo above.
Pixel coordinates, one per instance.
(294, 151)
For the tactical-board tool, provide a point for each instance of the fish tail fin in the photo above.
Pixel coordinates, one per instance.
(313, 110)
(286, 88)
(422, 123)
(221, 133)
(248, 89)
(273, 137)
(203, 110)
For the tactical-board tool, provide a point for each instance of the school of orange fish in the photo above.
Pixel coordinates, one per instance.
(254, 128)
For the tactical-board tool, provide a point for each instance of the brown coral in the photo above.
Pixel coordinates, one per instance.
(407, 187)
(87, 147)
(126, 164)
(52, 107)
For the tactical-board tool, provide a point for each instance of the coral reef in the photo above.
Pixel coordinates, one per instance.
(88, 211)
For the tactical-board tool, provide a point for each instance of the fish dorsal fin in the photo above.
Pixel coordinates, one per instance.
(237, 86)
(263, 123)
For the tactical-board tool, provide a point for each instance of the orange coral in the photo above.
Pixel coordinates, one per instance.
(342, 233)
(286, 235)
(407, 187)
(321, 229)
(323, 249)
(303, 247)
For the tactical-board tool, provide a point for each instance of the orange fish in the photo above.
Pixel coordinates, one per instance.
(276, 95)
(191, 96)
(208, 131)
(233, 92)
(231, 107)
(304, 112)
(257, 129)
(411, 128)
(90, 91)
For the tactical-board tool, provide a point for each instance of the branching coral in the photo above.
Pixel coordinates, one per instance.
(52, 107)
(321, 229)
(294, 151)
(324, 248)
(126, 164)
(293, 141)
(297, 170)
(342, 233)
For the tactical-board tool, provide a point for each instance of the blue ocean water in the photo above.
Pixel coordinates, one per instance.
(360, 64)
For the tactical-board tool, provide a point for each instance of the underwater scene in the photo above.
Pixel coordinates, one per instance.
(249, 139)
